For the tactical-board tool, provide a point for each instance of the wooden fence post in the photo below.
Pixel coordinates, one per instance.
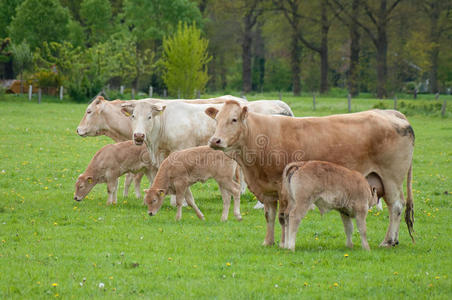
(30, 92)
(39, 95)
(313, 102)
(349, 100)
(178, 93)
(121, 90)
(133, 94)
(198, 94)
(280, 96)
(443, 108)
(395, 102)
(164, 93)
(150, 91)
(61, 93)
(436, 96)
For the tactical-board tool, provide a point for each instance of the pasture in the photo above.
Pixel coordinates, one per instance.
(52, 246)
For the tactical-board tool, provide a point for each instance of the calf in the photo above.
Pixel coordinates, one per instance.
(183, 168)
(108, 164)
(328, 186)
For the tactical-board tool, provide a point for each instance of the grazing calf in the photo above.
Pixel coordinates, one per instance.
(328, 186)
(108, 164)
(183, 168)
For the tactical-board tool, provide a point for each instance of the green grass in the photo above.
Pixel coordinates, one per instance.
(47, 238)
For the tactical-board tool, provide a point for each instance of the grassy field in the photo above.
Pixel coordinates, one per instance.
(51, 246)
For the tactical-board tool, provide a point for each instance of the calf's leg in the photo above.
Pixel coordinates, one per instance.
(112, 187)
(361, 223)
(348, 228)
(191, 202)
(226, 203)
(297, 213)
(137, 183)
(127, 182)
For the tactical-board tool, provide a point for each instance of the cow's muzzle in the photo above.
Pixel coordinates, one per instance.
(77, 199)
(138, 138)
(216, 143)
(150, 213)
(81, 132)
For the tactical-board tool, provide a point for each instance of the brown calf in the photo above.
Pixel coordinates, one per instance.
(108, 164)
(328, 186)
(183, 168)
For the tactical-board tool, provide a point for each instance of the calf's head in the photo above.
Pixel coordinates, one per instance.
(83, 186)
(143, 116)
(154, 200)
(230, 125)
(92, 122)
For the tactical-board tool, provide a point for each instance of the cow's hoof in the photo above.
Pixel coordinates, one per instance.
(239, 218)
(268, 243)
(389, 244)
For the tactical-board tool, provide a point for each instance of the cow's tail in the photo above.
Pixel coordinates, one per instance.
(409, 211)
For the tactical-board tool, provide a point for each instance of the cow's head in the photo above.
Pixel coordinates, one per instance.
(83, 186)
(154, 200)
(143, 117)
(230, 125)
(92, 122)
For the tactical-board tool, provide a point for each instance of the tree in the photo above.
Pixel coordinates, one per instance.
(7, 12)
(37, 21)
(185, 61)
(96, 15)
(22, 60)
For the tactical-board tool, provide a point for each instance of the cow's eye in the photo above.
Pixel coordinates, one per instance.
(234, 120)
(150, 117)
(88, 111)
(153, 201)
(133, 116)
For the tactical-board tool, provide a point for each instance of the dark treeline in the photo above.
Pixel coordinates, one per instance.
(374, 46)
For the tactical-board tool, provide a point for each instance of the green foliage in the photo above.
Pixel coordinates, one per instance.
(277, 75)
(96, 15)
(7, 12)
(23, 57)
(185, 61)
(152, 20)
(47, 79)
(37, 21)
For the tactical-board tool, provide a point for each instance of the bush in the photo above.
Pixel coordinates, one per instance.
(413, 108)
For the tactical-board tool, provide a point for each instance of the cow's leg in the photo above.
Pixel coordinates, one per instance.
(112, 187)
(361, 224)
(127, 182)
(348, 228)
(191, 202)
(283, 205)
(137, 183)
(296, 214)
(270, 205)
(395, 201)
(233, 188)
(226, 203)
(179, 201)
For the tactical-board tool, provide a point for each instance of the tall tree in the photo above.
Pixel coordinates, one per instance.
(7, 12)
(293, 11)
(439, 13)
(97, 17)
(37, 21)
(377, 16)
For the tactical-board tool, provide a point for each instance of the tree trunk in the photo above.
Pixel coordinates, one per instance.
(382, 51)
(246, 54)
(435, 36)
(324, 50)
(295, 53)
(355, 49)
(223, 77)
(213, 72)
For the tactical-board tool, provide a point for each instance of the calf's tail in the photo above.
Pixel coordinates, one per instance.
(409, 211)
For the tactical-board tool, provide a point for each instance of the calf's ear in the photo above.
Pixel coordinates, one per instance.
(244, 113)
(211, 112)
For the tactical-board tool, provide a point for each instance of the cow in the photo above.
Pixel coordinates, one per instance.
(108, 164)
(328, 186)
(183, 168)
(376, 142)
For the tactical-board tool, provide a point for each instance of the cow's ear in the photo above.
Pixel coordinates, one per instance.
(244, 113)
(211, 112)
(99, 100)
(127, 109)
(158, 109)
(374, 191)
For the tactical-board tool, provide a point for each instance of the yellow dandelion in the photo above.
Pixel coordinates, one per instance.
(46, 188)
(228, 264)
(170, 259)
(345, 255)
(429, 214)
(335, 284)
(55, 223)
(305, 284)
(54, 284)
(437, 277)
(396, 273)
(56, 295)
(111, 277)
(316, 238)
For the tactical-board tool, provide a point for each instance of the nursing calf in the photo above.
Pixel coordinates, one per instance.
(328, 186)
(183, 168)
(108, 164)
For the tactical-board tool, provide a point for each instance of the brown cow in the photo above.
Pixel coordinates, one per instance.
(108, 164)
(328, 186)
(374, 142)
(183, 168)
